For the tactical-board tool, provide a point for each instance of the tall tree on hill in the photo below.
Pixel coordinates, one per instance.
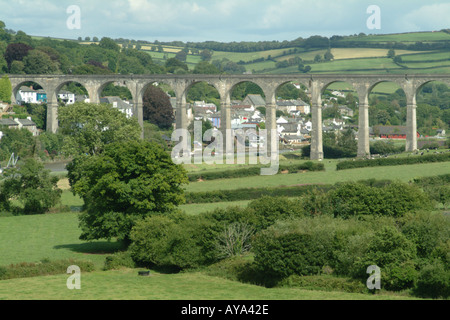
(157, 108)
(16, 52)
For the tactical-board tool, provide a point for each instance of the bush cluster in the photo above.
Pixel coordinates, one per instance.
(334, 233)
(352, 164)
(305, 247)
(250, 193)
(43, 268)
(254, 171)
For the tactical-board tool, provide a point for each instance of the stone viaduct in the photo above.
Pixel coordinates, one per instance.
(316, 84)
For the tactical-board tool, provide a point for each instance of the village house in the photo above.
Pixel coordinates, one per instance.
(122, 106)
(67, 97)
(29, 95)
(390, 132)
(254, 100)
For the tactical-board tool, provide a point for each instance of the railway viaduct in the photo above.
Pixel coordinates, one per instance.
(316, 84)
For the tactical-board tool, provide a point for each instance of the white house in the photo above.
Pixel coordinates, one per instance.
(67, 97)
(116, 102)
(26, 95)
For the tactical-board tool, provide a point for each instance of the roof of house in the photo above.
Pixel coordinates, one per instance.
(27, 122)
(8, 122)
(290, 103)
(120, 103)
(26, 89)
(256, 100)
(289, 127)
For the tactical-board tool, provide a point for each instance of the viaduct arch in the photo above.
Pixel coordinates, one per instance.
(362, 84)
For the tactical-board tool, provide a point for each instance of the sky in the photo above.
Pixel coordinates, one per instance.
(220, 20)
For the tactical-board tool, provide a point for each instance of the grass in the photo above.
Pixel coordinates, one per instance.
(404, 37)
(127, 285)
(56, 237)
(402, 173)
(51, 236)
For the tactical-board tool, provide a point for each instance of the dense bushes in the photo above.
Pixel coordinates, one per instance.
(347, 247)
(329, 236)
(179, 242)
(43, 268)
(384, 148)
(395, 199)
(250, 193)
(254, 171)
(392, 161)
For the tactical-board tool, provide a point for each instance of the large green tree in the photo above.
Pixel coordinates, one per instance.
(88, 128)
(38, 62)
(32, 186)
(126, 183)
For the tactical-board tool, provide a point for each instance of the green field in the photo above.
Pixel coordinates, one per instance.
(403, 37)
(127, 285)
(56, 237)
(402, 173)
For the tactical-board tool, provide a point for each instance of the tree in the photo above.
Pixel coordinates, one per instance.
(108, 43)
(88, 128)
(5, 89)
(129, 181)
(173, 64)
(206, 55)
(391, 53)
(157, 107)
(16, 52)
(181, 55)
(38, 62)
(398, 59)
(32, 186)
(205, 67)
(328, 55)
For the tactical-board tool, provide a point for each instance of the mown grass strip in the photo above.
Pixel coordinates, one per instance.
(352, 164)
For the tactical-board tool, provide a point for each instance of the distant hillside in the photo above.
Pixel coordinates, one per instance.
(419, 52)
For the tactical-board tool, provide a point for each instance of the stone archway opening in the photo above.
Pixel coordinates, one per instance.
(119, 96)
(71, 92)
(340, 121)
(30, 105)
(387, 118)
(433, 115)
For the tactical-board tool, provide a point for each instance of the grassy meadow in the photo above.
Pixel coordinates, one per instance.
(55, 236)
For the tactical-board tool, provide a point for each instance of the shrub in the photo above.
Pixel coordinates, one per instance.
(392, 161)
(394, 254)
(303, 247)
(250, 193)
(395, 199)
(427, 230)
(234, 240)
(270, 209)
(324, 282)
(433, 281)
(119, 260)
(254, 171)
(383, 148)
(166, 243)
(43, 268)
